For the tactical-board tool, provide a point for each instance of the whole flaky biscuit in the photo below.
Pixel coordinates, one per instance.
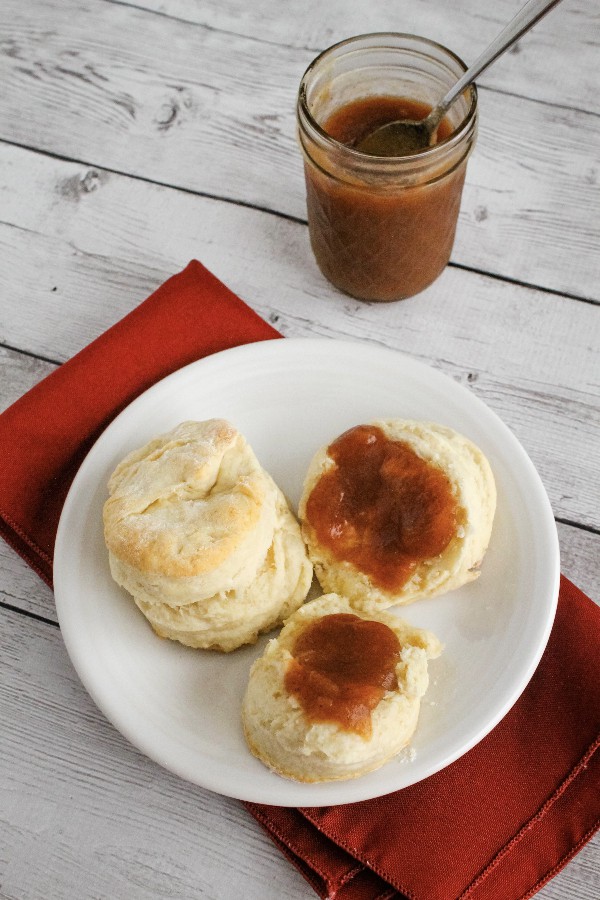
(281, 735)
(189, 514)
(472, 485)
(203, 539)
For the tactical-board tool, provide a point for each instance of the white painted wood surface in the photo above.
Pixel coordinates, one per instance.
(137, 135)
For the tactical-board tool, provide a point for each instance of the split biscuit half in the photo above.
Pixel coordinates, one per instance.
(444, 456)
(285, 738)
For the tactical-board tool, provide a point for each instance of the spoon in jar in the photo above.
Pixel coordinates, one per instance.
(406, 136)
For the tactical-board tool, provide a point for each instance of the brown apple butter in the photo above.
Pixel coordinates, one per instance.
(382, 227)
(377, 237)
(342, 666)
(382, 507)
(351, 123)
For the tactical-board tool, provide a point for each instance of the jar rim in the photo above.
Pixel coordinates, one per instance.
(429, 153)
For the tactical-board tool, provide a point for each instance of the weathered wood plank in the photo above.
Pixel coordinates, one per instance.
(83, 814)
(104, 249)
(214, 113)
(543, 68)
(21, 588)
(209, 107)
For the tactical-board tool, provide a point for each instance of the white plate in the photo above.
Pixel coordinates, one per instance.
(182, 707)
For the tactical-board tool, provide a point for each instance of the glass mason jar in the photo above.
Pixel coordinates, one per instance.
(382, 227)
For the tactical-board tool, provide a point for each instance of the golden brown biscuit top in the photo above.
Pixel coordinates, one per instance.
(186, 501)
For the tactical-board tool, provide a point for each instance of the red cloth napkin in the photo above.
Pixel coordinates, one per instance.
(46, 434)
(496, 824)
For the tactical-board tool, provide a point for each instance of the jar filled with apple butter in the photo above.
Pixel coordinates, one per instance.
(382, 227)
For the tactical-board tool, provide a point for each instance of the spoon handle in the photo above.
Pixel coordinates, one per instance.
(531, 13)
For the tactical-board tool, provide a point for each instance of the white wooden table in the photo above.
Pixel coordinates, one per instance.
(137, 135)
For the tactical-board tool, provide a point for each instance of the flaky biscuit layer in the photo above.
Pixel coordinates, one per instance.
(232, 618)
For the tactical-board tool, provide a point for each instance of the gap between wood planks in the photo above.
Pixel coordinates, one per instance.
(309, 49)
(316, 50)
(241, 34)
(30, 354)
(47, 620)
(277, 213)
(571, 524)
(28, 614)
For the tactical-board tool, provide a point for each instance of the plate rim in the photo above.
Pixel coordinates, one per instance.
(283, 346)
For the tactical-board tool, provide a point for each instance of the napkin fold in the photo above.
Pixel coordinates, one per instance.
(47, 433)
(494, 825)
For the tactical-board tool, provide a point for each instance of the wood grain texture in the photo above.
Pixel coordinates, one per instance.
(137, 134)
(83, 814)
(543, 59)
(103, 261)
(124, 89)
(22, 589)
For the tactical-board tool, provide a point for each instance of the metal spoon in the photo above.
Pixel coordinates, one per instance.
(407, 136)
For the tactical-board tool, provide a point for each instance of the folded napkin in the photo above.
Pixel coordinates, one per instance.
(47, 433)
(496, 824)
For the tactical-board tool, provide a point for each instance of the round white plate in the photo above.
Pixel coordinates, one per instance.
(288, 397)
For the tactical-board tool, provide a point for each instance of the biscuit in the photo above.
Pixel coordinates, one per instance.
(232, 618)
(367, 578)
(203, 539)
(189, 514)
(285, 738)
